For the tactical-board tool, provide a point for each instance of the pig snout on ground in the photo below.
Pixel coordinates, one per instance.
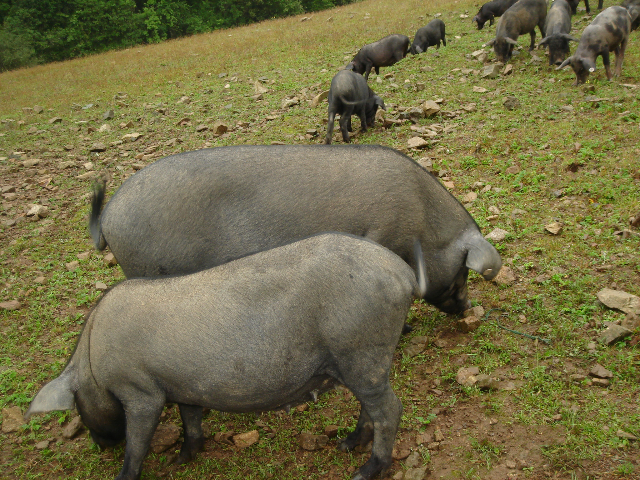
(383, 53)
(557, 27)
(260, 333)
(490, 10)
(428, 36)
(519, 19)
(609, 32)
(349, 94)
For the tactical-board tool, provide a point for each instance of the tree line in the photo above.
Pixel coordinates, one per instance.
(41, 31)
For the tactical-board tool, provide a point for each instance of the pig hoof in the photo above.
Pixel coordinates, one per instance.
(358, 476)
(406, 328)
(189, 451)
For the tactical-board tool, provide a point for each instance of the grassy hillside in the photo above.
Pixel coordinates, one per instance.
(562, 154)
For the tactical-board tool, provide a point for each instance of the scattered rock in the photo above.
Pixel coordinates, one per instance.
(490, 71)
(470, 197)
(131, 137)
(331, 431)
(626, 436)
(202, 128)
(477, 311)
(511, 102)
(600, 382)
(319, 98)
(466, 376)
(10, 305)
(101, 286)
(290, 102)
(108, 115)
(420, 473)
(416, 346)
(554, 228)
(613, 334)
(430, 108)
(600, 372)
(400, 452)
(244, 440)
(12, 419)
(259, 88)
(184, 100)
(38, 109)
(219, 128)
(505, 276)
(417, 142)
(485, 382)
(309, 441)
(497, 235)
(98, 147)
(165, 437)
(110, 260)
(42, 445)
(437, 434)
(631, 321)
(508, 69)
(55, 120)
(30, 163)
(619, 300)
(72, 428)
(480, 89)
(468, 324)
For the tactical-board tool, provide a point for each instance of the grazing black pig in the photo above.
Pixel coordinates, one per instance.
(519, 19)
(264, 332)
(557, 27)
(428, 36)
(349, 94)
(490, 10)
(633, 7)
(383, 53)
(199, 209)
(609, 32)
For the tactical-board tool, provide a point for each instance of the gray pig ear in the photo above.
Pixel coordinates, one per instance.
(571, 38)
(564, 64)
(380, 103)
(543, 41)
(510, 40)
(482, 257)
(58, 394)
(491, 42)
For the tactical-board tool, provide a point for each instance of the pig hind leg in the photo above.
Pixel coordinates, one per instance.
(191, 416)
(345, 117)
(332, 119)
(362, 435)
(619, 51)
(143, 416)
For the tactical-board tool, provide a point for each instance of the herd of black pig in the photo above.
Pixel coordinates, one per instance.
(261, 276)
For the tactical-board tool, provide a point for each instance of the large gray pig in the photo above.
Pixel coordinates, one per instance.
(264, 332)
(521, 18)
(199, 209)
(491, 10)
(383, 53)
(428, 36)
(349, 94)
(557, 27)
(609, 32)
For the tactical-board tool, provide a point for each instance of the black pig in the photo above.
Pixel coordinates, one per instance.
(199, 209)
(490, 10)
(428, 36)
(521, 18)
(609, 32)
(557, 27)
(383, 53)
(349, 94)
(633, 7)
(265, 332)
(574, 5)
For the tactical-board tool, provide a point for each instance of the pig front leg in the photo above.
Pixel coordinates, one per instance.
(344, 123)
(368, 71)
(533, 40)
(143, 416)
(607, 66)
(191, 416)
(362, 114)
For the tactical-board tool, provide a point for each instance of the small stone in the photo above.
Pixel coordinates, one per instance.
(477, 311)
(438, 436)
(430, 108)
(101, 286)
(260, 89)
(38, 109)
(400, 452)
(42, 445)
(419, 473)
(30, 163)
(554, 228)
(468, 324)
(600, 372)
(497, 235)
(511, 103)
(480, 89)
(71, 266)
(466, 376)
(55, 120)
(508, 69)
(577, 377)
(309, 441)
(202, 128)
(290, 102)
(108, 115)
(490, 71)
(219, 128)
(40, 280)
(434, 446)
(470, 197)
(620, 300)
(416, 346)
(417, 142)
(511, 465)
(98, 147)
(244, 440)
(424, 438)
(319, 98)
(631, 321)
(505, 276)
(600, 382)
(512, 170)
(131, 137)
(72, 428)
(12, 419)
(485, 382)
(38, 210)
(164, 438)
(10, 305)
(184, 100)
(110, 260)
(626, 436)
(331, 431)
(413, 460)
(613, 334)
(83, 255)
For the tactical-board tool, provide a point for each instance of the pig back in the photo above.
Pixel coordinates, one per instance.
(199, 209)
